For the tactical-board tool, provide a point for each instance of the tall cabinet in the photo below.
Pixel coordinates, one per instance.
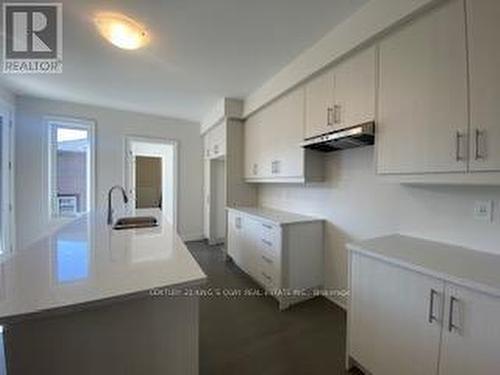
(224, 185)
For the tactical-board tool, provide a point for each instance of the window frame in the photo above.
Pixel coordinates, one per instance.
(7, 234)
(52, 123)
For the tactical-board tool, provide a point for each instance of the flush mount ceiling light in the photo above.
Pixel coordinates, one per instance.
(121, 30)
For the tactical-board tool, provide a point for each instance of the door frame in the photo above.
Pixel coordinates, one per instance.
(128, 170)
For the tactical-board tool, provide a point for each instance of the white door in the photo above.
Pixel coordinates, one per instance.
(392, 330)
(319, 105)
(423, 119)
(471, 335)
(484, 60)
(355, 90)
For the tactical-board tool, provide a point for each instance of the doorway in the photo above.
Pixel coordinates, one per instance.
(152, 175)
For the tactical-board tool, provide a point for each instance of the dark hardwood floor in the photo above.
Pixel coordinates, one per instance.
(249, 335)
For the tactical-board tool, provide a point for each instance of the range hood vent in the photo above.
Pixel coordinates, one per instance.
(355, 136)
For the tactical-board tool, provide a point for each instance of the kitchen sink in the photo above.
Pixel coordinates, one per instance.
(135, 222)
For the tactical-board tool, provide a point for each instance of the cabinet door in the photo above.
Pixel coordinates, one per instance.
(207, 145)
(390, 330)
(252, 146)
(471, 336)
(285, 128)
(355, 90)
(484, 59)
(218, 140)
(319, 105)
(423, 95)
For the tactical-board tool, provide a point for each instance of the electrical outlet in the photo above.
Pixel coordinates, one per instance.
(483, 211)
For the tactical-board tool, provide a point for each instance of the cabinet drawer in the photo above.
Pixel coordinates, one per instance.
(270, 267)
(270, 239)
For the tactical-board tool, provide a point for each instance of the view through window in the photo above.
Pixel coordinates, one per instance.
(71, 168)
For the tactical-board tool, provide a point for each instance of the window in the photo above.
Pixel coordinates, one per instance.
(71, 167)
(6, 180)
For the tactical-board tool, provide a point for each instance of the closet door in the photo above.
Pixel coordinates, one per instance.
(471, 334)
(484, 60)
(423, 117)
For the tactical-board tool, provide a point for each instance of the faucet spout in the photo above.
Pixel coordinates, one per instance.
(110, 195)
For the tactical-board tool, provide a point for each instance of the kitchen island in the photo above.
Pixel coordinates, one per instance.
(87, 299)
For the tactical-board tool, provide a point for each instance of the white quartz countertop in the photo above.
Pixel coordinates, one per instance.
(459, 265)
(275, 216)
(86, 262)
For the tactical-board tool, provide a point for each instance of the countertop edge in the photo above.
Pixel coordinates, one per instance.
(92, 304)
(471, 284)
(306, 219)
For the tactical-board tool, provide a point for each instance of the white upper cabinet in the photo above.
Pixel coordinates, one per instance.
(272, 143)
(355, 86)
(484, 60)
(343, 96)
(319, 105)
(214, 142)
(423, 118)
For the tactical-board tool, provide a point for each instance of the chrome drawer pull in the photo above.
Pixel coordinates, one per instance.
(267, 226)
(268, 243)
(270, 261)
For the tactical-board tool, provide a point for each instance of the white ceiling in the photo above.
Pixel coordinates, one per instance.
(201, 50)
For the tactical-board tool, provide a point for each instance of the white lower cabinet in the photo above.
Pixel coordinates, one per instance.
(286, 259)
(391, 332)
(406, 322)
(471, 334)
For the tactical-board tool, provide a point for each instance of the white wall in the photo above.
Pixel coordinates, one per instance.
(357, 204)
(112, 126)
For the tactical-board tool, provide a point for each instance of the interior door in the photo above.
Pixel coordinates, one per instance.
(423, 117)
(471, 335)
(394, 327)
(484, 59)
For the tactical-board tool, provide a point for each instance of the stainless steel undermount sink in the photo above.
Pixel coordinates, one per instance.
(135, 222)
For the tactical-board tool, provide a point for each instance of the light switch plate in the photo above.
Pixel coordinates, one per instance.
(483, 210)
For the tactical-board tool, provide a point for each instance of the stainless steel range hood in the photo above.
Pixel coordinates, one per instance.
(354, 136)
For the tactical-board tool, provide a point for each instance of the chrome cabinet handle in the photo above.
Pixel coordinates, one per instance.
(478, 155)
(267, 259)
(329, 115)
(216, 149)
(432, 317)
(336, 114)
(237, 223)
(267, 226)
(451, 325)
(458, 155)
